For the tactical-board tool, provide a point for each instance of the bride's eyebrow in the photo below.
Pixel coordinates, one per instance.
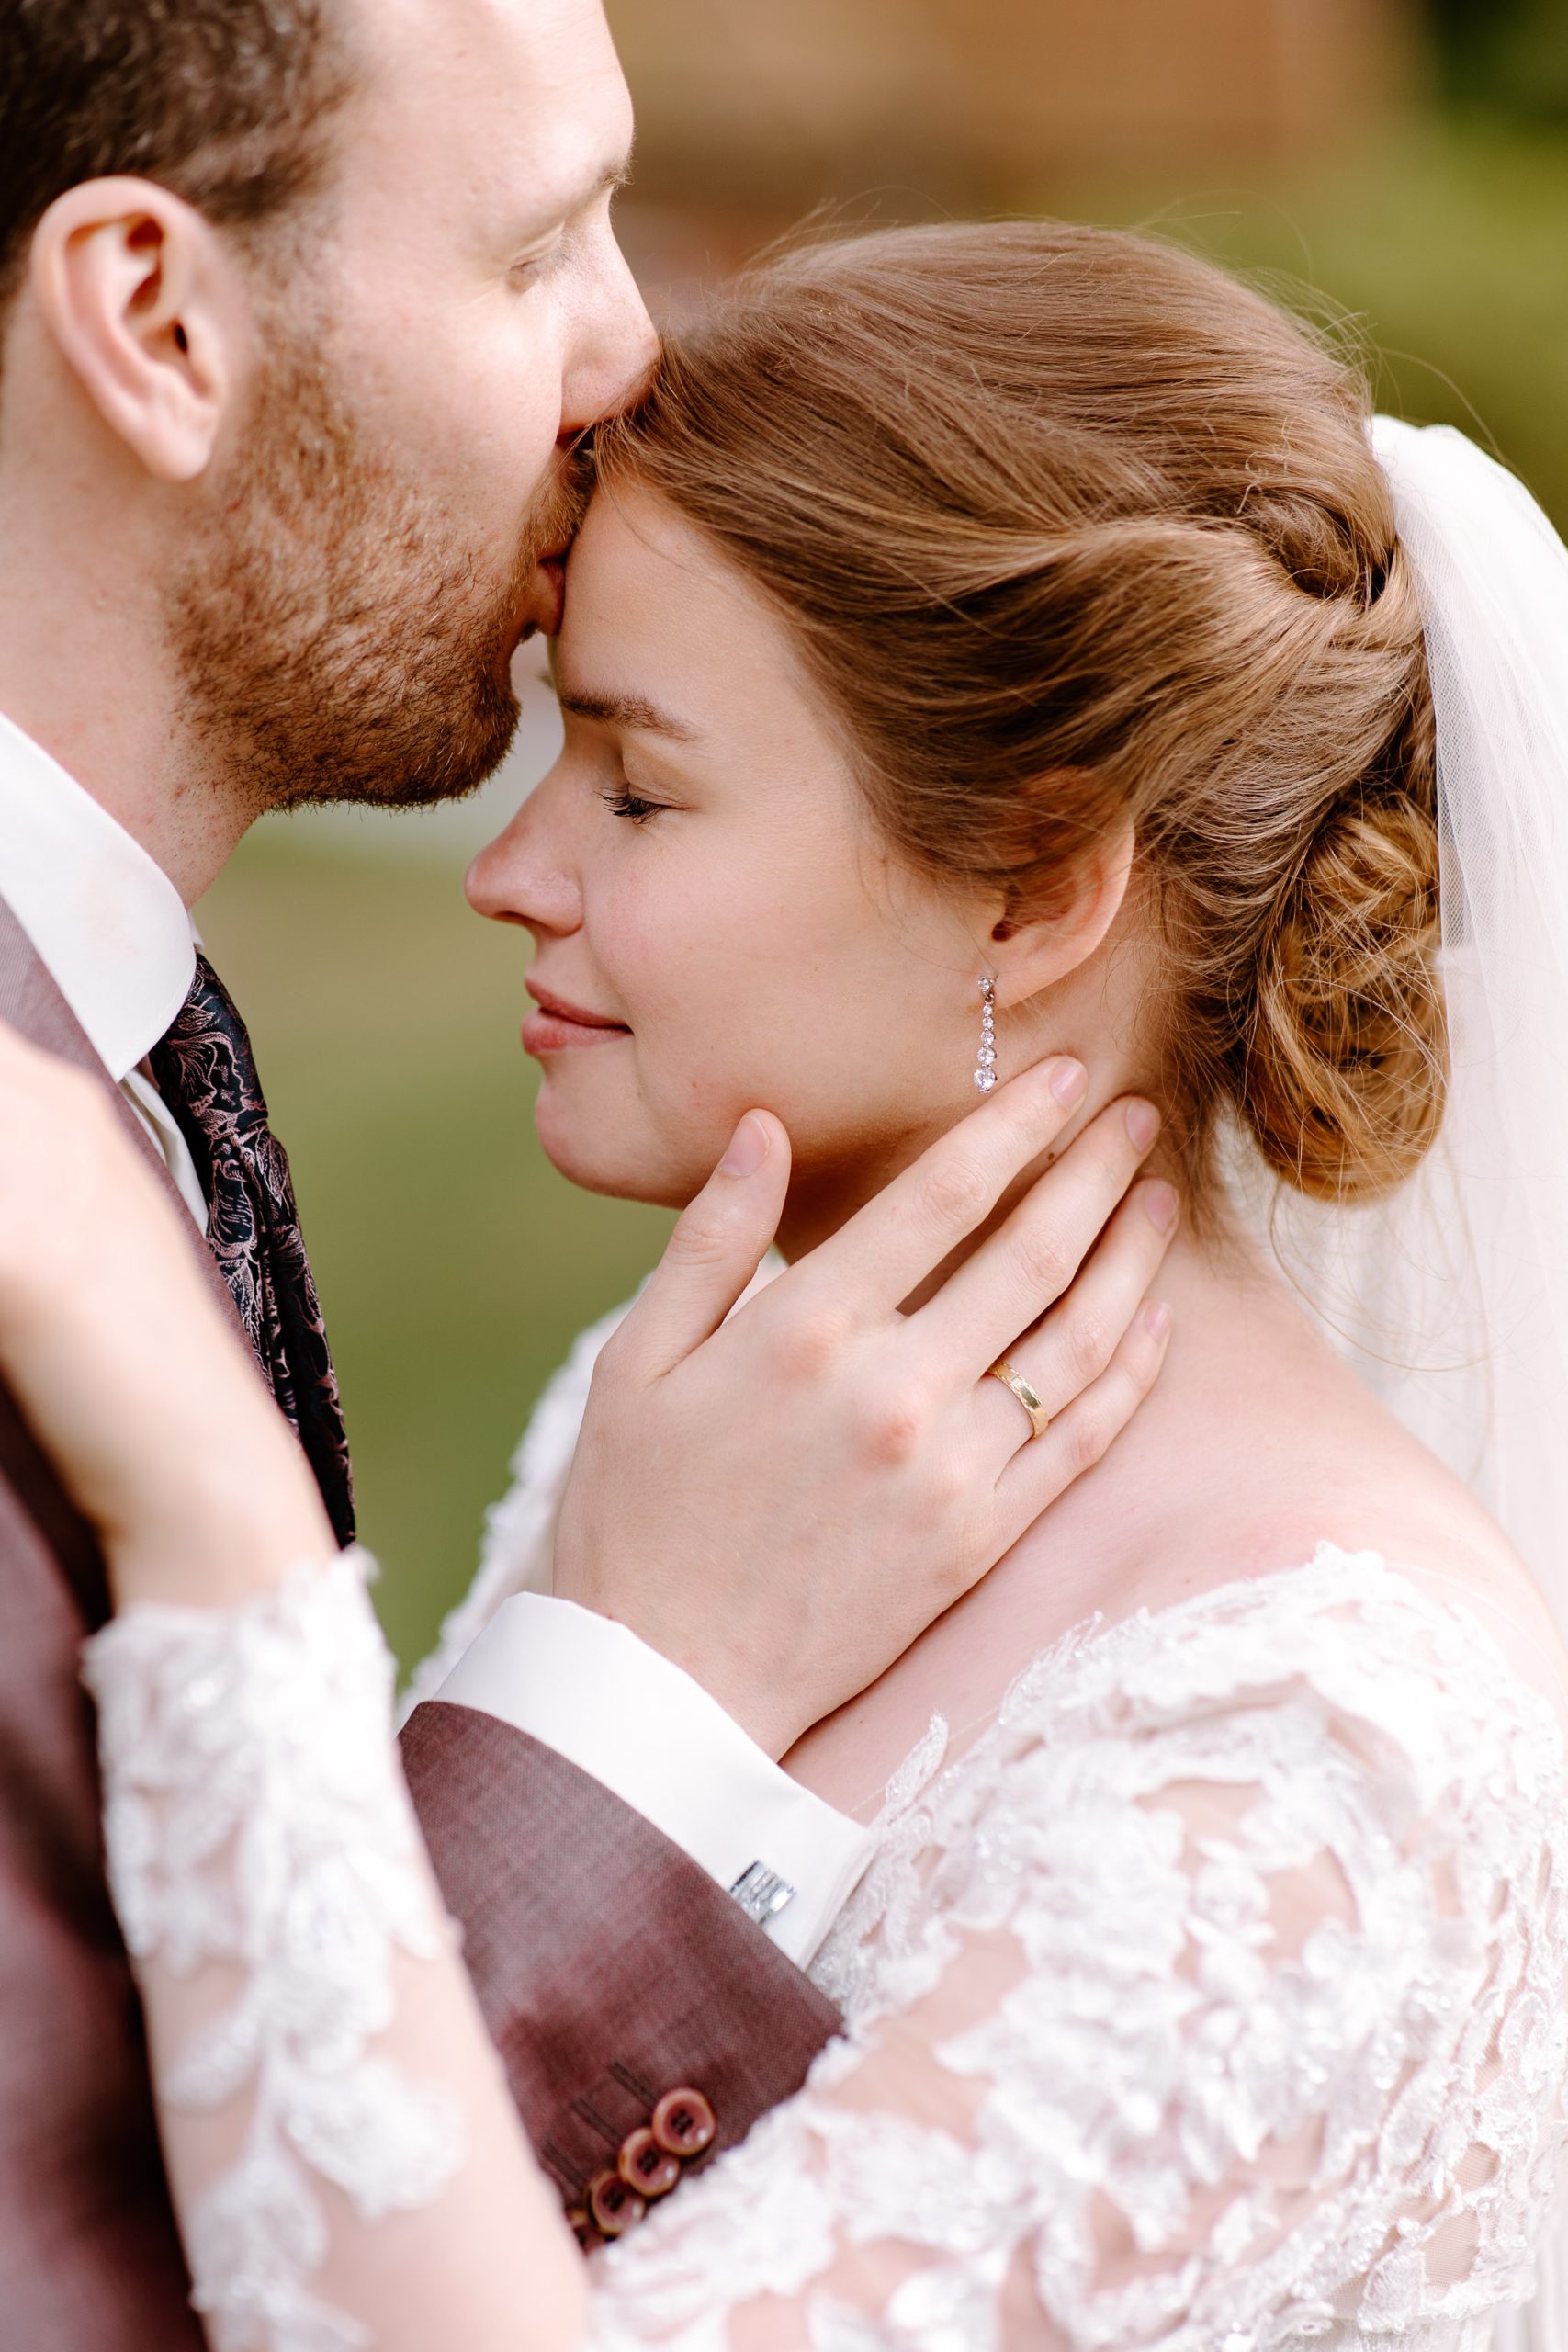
(631, 712)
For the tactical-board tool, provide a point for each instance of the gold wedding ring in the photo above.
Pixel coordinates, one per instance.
(1039, 1419)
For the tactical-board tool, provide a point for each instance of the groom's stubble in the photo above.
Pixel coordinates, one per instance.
(340, 638)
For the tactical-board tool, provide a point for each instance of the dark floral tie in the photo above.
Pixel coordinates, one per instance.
(206, 1075)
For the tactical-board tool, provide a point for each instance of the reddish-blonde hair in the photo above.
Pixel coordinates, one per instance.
(1074, 528)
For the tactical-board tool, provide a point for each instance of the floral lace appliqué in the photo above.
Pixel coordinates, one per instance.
(254, 1815)
(1216, 2000)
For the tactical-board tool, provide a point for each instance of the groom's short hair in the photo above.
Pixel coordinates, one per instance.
(223, 101)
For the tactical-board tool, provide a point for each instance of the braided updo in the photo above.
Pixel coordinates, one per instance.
(1074, 528)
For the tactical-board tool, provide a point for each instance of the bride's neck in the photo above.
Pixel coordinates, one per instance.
(824, 1198)
(1128, 1533)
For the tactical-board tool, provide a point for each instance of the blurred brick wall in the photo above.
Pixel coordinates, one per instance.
(765, 103)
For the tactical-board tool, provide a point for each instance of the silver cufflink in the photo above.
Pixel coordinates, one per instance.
(762, 1893)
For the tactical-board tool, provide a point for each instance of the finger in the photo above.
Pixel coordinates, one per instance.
(887, 1249)
(716, 1246)
(1075, 1344)
(1024, 1267)
(1042, 1471)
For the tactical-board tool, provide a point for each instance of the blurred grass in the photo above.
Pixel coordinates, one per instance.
(1446, 242)
(455, 1265)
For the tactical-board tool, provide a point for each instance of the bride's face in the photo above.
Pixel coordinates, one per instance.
(718, 924)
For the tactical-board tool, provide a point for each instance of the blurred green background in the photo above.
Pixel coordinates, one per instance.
(1409, 165)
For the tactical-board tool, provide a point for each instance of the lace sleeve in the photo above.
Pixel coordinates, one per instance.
(342, 2151)
(1218, 2003)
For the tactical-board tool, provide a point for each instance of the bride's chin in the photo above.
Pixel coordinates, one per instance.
(597, 1161)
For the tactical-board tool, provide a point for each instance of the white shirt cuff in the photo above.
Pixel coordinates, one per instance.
(622, 1712)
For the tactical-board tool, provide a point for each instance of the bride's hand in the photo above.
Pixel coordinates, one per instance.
(124, 1366)
(783, 1502)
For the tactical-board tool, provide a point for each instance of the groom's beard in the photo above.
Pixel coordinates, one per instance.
(337, 637)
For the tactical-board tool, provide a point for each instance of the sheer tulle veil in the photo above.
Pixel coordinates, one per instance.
(1452, 1297)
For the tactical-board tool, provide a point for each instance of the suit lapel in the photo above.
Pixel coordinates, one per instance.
(33, 1005)
(31, 1002)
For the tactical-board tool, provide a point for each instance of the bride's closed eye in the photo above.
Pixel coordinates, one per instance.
(626, 803)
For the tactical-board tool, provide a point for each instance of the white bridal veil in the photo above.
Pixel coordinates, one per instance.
(1452, 1298)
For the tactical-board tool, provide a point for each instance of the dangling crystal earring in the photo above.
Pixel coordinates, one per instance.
(986, 1059)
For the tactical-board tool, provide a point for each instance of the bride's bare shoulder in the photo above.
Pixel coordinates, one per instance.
(1235, 1470)
(1354, 1478)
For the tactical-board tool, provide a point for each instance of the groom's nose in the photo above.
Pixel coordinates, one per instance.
(616, 347)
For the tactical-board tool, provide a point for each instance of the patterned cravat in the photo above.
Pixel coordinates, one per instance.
(206, 1075)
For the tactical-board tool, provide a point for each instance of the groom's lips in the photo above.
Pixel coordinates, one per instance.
(546, 595)
(558, 1027)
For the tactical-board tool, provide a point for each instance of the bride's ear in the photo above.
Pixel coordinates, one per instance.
(1030, 954)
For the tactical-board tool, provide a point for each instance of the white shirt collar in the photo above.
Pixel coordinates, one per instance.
(112, 929)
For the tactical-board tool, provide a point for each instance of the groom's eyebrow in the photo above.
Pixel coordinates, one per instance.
(608, 182)
(628, 711)
(611, 180)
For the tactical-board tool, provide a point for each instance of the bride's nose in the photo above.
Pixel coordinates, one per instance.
(527, 875)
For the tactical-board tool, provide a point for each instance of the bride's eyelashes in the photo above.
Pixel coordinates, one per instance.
(624, 802)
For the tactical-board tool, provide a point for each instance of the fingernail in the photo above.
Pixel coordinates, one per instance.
(1143, 1123)
(1155, 1316)
(1067, 1082)
(1160, 1206)
(747, 1148)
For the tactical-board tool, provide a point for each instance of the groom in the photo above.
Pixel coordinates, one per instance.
(304, 305)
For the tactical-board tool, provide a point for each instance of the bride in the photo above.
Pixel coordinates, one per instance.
(985, 645)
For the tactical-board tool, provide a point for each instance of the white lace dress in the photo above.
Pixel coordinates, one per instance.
(1215, 2000)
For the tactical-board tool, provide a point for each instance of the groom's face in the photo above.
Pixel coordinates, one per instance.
(432, 339)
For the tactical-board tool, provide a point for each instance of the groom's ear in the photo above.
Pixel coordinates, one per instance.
(145, 303)
(1030, 953)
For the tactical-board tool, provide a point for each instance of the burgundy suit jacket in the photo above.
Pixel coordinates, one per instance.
(610, 1968)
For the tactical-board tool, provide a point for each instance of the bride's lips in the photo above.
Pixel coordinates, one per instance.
(558, 1027)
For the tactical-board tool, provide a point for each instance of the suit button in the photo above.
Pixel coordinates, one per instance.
(613, 2206)
(683, 2123)
(645, 2167)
